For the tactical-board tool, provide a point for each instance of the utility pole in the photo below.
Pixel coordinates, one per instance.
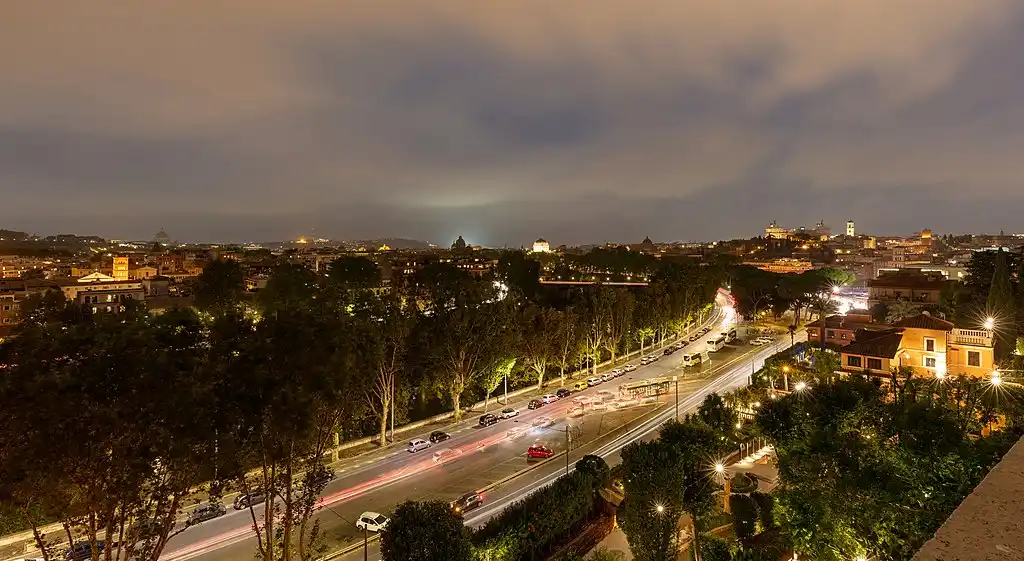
(677, 399)
(506, 389)
(366, 546)
(567, 449)
(393, 392)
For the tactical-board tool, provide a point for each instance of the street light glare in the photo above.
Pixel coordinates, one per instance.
(660, 508)
(990, 323)
(719, 468)
(800, 386)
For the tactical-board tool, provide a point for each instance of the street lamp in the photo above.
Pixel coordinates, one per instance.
(719, 468)
(800, 386)
(904, 356)
(996, 378)
(785, 375)
(990, 323)
(660, 509)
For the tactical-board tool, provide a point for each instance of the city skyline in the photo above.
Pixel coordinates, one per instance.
(675, 120)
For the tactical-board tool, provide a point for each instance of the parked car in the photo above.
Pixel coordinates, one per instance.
(509, 412)
(653, 358)
(82, 550)
(417, 444)
(548, 398)
(439, 436)
(535, 404)
(205, 512)
(644, 361)
(629, 367)
(617, 372)
(580, 386)
(372, 521)
(757, 342)
(322, 478)
(467, 502)
(144, 529)
(563, 393)
(668, 351)
(246, 500)
(488, 419)
(593, 381)
(539, 451)
(607, 377)
(694, 337)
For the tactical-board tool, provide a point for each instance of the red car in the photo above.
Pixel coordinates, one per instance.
(539, 451)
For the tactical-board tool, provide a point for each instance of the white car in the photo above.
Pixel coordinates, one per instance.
(757, 342)
(653, 358)
(645, 361)
(549, 398)
(417, 444)
(618, 372)
(607, 376)
(543, 422)
(629, 367)
(593, 381)
(372, 521)
(509, 412)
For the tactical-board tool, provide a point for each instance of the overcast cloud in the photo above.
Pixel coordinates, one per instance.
(578, 121)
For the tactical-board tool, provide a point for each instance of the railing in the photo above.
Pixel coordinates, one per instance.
(979, 337)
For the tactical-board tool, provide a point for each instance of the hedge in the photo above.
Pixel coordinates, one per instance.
(534, 524)
(744, 516)
(765, 503)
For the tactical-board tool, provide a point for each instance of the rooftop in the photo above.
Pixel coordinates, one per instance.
(905, 279)
(925, 321)
(884, 345)
(852, 323)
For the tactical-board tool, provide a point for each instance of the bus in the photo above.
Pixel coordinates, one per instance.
(716, 344)
(730, 335)
(645, 388)
(695, 359)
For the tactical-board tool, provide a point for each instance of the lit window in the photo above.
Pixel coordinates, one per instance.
(874, 364)
(973, 358)
(929, 345)
(929, 362)
(853, 361)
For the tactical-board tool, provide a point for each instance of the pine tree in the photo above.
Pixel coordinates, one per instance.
(1002, 306)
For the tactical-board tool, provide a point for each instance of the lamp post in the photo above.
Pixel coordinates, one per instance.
(990, 323)
(785, 376)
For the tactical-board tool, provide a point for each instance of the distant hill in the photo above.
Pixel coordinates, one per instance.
(12, 235)
(394, 243)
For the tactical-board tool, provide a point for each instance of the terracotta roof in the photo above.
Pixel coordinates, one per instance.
(843, 322)
(908, 281)
(925, 321)
(882, 346)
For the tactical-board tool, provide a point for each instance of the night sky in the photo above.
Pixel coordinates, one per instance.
(579, 121)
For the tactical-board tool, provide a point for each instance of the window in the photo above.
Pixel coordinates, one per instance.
(973, 358)
(853, 361)
(831, 334)
(874, 364)
(812, 332)
(842, 335)
(929, 345)
(929, 362)
(7, 308)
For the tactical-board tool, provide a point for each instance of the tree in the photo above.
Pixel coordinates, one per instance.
(220, 286)
(540, 330)
(696, 443)
(568, 340)
(596, 467)
(468, 343)
(714, 548)
(354, 272)
(714, 413)
(619, 320)
(284, 394)
(388, 328)
(654, 499)
(744, 515)
(426, 531)
(291, 287)
(1001, 305)
(519, 272)
(899, 310)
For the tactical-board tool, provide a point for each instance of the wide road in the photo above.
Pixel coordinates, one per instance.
(731, 371)
(480, 457)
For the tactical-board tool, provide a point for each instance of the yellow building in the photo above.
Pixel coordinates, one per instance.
(929, 345)
(120, 268)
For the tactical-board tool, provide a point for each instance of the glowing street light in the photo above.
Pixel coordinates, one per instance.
(996, 378)
(660, 509)
(940, 375)
(719, 468)
(990, 323)
(800, 386)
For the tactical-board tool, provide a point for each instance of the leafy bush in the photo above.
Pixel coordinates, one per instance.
(714, 548)
(596, 467)
(744, 516)
(536, 522)
(425, 531)
(743, 483)
(765, 502)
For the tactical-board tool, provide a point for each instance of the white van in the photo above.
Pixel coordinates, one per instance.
(694, 359)
(730, 335)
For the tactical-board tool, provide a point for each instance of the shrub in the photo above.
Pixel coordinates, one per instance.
(425, 531)
(596, 467)
(744, 516)
(536, 522)
(743, 483)
(714, 548)
(765, 503)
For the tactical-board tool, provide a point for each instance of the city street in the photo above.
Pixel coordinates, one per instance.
(482, 456)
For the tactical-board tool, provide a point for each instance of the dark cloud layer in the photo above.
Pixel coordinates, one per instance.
(504, 121)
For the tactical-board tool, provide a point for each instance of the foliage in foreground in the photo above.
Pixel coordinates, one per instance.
(426, 531)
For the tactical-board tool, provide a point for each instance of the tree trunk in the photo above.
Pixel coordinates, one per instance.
(384, 428)
(456, 403)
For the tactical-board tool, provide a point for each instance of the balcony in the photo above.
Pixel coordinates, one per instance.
(976, 337)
